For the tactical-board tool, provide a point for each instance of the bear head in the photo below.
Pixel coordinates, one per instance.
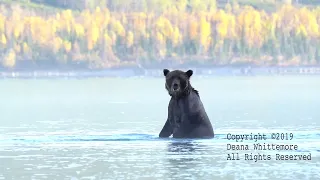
(177, 82)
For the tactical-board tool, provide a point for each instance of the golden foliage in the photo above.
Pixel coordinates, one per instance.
(117, 27)
(160, 37)
(176, 36)
(107, 39)
(3, 39)
(204, 26)
(57, 43)
(67, 46)
(129, 39)
(9, 59)
(205, 32)
(25, 47)
(2, 22)
(79, 29)
(193, 29)
(164, 26)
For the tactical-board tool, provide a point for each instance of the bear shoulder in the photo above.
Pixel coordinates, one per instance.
(195, 91)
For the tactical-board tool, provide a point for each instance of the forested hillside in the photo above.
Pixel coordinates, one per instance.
(125, 32)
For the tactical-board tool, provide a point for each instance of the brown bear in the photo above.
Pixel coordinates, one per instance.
(187, 117)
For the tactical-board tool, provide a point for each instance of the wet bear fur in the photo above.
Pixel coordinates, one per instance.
(187, 117)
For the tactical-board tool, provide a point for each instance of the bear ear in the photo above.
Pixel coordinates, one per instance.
(189, 73)
(165, 72)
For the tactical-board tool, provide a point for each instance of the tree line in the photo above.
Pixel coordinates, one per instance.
(100, 38)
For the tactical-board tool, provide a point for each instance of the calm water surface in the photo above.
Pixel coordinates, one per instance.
(107, 129)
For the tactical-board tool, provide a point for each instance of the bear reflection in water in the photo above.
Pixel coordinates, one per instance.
(183, 158)
(183, 147)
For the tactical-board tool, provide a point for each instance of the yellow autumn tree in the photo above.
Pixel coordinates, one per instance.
(222, 21)
(9, 59)
(176, 37)
(3, 39)
(250, 25)
(108, 40)
(117, 27)
(66, 20)
(99, 18)
(18, 29)
(307, 23)
(193, 29)
(164, 26)
(25, 48)
(205, 32)
(301, 30)
(79, 30)
(92, 36)
(57, 44)
(257, 31)
(67, 46)
(285, 20)
(129, 39)
(270, 27)
(161, 39)
(139, 23)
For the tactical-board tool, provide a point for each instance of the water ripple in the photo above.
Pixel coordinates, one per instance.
(100, 155)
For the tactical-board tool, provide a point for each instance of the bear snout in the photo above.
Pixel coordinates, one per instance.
(175, 87)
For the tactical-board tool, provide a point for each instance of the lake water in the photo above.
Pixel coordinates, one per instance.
(107, 129)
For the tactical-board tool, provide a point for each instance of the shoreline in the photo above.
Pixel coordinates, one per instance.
(157, 72)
